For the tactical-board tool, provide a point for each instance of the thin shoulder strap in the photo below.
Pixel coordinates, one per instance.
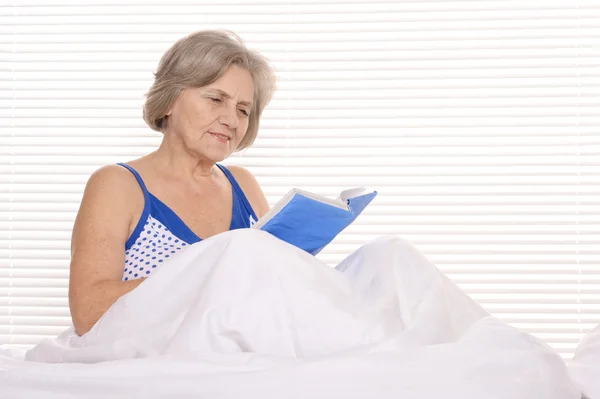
(232, 180)
(238, 190)
(137, 176)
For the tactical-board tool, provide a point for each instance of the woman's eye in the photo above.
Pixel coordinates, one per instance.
(216, 100)
(243, 111)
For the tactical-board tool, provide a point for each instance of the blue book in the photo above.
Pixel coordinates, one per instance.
(310, 221)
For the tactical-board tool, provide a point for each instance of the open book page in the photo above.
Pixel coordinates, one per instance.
(351, 193)
(333, 202)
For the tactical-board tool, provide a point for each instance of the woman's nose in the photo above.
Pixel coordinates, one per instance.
(229, 118)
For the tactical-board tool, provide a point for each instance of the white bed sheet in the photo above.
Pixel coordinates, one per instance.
(585, 365)
(245, 315)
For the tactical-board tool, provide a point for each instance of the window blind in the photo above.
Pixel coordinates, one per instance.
(477, 121)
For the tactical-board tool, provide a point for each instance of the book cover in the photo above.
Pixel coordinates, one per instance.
(311, 222)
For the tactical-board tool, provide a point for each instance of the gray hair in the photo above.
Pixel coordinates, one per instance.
(199, 59)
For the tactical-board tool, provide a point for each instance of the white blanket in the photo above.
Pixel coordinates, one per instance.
(245, 315)
(585, 365)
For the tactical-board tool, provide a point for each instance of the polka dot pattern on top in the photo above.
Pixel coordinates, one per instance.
(155, 245)
(160, 233)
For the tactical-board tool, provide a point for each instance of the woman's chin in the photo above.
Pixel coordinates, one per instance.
(216, 155)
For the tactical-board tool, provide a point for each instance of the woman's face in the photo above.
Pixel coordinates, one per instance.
(211, 120)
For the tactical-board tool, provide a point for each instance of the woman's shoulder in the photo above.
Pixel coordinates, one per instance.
(241, 174)
(251, 189)
(112, 177)
(108, 204)
(112, 184)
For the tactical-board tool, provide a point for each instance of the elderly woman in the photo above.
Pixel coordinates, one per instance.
(206, 100)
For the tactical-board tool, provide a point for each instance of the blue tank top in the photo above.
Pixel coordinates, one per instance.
(160, 233)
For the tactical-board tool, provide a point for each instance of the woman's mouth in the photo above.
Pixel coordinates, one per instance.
(220, 137)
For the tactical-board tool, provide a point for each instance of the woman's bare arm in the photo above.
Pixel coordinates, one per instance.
(98, 245)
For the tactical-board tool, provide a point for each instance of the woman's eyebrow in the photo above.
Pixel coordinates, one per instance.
(228, 96)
